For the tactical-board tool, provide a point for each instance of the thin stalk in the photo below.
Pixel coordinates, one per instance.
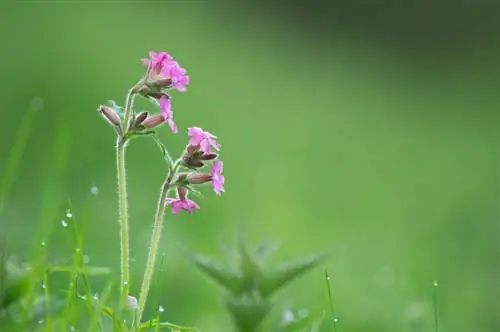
(122, 196)
(155, 241)
(123, 216)
(333, 317)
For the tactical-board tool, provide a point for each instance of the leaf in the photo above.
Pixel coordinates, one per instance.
(228, 279)
(307, 322)
(286, 272)
(248, 311)
(87, 270)
(157, 324)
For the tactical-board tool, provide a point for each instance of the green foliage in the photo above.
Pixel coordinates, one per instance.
(251, 285)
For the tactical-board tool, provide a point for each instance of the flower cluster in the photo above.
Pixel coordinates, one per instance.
(165, 73)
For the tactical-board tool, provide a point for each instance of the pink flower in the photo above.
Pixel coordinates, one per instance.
(165, 68)
(166, 112)
(182, 202)
(217, 177)
(177, 74)
(202, 139)
(157, 60)
(178, 205)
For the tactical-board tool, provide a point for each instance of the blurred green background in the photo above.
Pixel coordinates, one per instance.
(385, 153)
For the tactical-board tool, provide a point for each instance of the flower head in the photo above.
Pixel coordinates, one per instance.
(166, 112)
(182, 202)
(177, 74)
(178, 205)
(166, 72)
(202, 139)
(157, 61)
(217, 177)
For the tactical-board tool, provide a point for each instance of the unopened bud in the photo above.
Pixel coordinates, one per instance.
(197, 178)
(194, 157)
(161, 82)
(153, 121)
(140, 118)
(208, 156)
(109, 115)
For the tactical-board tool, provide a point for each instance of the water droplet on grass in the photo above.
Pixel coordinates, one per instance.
(64, 223)
(43, 244)
(94, 190)
(36, 104)
(161, 309)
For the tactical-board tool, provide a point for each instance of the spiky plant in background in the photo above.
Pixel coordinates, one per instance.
(251, 285)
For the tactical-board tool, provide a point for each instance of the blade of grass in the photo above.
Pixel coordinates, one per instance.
(95, 320)
(435, 305)
(15, 155)
(55, 171)
(333, 317)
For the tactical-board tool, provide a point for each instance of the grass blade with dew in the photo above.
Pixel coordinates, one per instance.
(99, 309)
(435, 305)
(333, 316)
(54, 172)
(157, 286)
(15, 155)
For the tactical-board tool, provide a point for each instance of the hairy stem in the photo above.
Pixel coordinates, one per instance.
(123, 216)
(122, 196)
(155, 241)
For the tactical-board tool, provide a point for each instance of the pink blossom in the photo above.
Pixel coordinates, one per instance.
(202, 139)
(166, 112)
(177, 74)
(157, 60)
(163, 65)
(182, 204)
(217, 177)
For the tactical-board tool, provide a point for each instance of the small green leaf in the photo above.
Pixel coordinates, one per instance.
(286, 272)
(87, 270)
(157, 324)
(228, 279)
(248, 311)
(308, 322)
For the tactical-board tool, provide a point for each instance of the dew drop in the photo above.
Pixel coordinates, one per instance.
(335, 319)
(95, 297)
(303, 313)
(161, 309)
(125, 283)
(435, 283)
(64, 223)
(36, 104)
(69, 214)
(77, 249)
(86, 259)
(94, 190)
(43, 285)
(43, 244)
(72, 328)
(288, 316)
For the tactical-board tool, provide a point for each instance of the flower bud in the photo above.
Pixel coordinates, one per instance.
(140, 118)
(109, 115)
(153, 122)
(194, 157)
(197, 178)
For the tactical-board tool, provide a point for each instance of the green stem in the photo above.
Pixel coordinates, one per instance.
(122, 195)
(155, 241)
(123, 216)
